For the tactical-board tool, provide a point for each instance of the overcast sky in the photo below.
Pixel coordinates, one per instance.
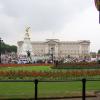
(67, 20)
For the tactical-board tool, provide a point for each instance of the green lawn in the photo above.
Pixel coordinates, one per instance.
(37, 68)
(28, 68)
(26, 90)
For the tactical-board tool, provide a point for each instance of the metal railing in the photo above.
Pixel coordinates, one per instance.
(36, 81)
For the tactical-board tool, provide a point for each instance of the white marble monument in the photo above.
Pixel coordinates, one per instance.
(27, 46)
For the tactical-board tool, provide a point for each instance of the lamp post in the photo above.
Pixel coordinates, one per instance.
(0, 48)
(97, 4)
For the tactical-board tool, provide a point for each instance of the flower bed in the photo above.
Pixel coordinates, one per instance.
(52, 75)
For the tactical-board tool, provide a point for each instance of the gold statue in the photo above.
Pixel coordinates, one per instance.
(27, 29)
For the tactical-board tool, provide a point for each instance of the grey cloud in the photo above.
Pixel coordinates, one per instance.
(44, 15)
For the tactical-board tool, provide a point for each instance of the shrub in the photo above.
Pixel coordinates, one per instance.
(78, 65)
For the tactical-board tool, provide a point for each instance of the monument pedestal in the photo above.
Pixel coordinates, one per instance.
(27, 46)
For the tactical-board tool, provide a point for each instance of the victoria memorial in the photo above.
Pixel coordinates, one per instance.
(59, 49)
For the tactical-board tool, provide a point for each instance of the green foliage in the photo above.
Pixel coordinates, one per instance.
(98, 51)
(78, 65)
(7, 48)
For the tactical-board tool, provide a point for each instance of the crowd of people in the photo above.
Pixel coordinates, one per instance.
(9, 58)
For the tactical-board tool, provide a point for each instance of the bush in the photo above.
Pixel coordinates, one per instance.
(77, 65)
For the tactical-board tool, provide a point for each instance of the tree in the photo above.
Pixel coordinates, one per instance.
(98, 56)
(7, 48)
(13, 48)
(99, 51)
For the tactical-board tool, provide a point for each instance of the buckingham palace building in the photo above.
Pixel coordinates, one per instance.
(59, 49)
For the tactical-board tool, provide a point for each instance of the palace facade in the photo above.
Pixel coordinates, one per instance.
(59, 49)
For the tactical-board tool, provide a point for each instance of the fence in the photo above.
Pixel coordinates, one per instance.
(36, 81)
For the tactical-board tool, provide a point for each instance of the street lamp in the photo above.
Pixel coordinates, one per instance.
(97, 4)
(0, 48)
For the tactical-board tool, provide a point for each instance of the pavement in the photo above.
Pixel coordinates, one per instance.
(88, 98)
(93, 98)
